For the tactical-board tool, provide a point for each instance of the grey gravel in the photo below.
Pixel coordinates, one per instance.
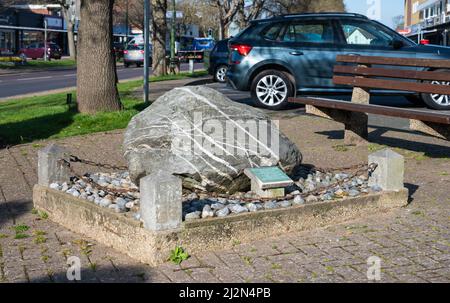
(237, 209)
(207, 212)
(270, 205)
(223, 212)
(298, 200)
(193, 216)
(284, 204)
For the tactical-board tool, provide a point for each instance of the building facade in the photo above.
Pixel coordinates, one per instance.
(428, 19)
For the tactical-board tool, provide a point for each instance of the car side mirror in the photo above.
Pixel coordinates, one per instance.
(397, 44)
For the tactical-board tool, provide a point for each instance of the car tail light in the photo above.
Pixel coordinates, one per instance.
(242, 49)
(125, 52)
(142, 51)
(424, 41)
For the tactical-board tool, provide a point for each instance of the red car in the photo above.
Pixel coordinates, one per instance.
(36, 50)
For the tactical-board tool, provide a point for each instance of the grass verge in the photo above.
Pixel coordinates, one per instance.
(34, 118)
(37, 64)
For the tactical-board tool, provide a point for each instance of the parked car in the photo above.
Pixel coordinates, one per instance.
(134, 54)
(218, 61)
(37, 50)
(118, 48)
(279, 57)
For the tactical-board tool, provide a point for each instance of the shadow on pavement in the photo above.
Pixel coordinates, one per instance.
(103, 274)
(376, 136)
(412, 188)
(11, 211)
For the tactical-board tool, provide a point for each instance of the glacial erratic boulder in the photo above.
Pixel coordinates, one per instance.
(199, 134)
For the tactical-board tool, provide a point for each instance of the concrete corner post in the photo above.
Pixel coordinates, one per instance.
(390, 171)
(161, 198)
(50, 168)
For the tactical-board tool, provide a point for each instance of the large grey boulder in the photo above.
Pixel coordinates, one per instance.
(199, 134)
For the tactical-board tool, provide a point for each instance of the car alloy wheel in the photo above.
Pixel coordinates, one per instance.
(441, 100)
(221, 73)
(271, 90)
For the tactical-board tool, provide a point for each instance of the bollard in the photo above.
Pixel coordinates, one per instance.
(69, 99)
(50, 168)
(390, 171)
(191, 66)
(161, 198)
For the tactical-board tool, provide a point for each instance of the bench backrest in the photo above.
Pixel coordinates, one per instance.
(362, 74)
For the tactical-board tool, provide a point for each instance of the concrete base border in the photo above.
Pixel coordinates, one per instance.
(129, 236)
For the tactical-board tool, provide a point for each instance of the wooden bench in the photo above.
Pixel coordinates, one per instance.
(363, 77)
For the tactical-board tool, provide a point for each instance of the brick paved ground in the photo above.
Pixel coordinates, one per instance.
(413, 243)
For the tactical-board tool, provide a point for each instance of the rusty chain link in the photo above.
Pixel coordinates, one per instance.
(75, 159)
(362, 169)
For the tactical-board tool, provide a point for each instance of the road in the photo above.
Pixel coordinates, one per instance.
(374, 120)
(41, 81)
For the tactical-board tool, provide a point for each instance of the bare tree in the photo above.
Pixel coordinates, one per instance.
(96, 69)
(305, 6)
(226, 12)
(65, 7)
(246, 13)
(135, 12)
(159, 9)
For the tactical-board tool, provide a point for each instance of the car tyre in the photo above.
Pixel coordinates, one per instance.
(415, 99)
(126, 65)
(436, 101)
(221, 73)
(271, 89)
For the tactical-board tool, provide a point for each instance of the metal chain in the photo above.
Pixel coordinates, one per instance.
(362, 168)
(115, 192)
(75, 159)
(331, 170)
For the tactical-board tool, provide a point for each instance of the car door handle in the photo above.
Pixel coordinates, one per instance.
(296, 53)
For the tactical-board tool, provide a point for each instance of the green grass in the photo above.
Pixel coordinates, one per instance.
(37, 64)
(34, 118)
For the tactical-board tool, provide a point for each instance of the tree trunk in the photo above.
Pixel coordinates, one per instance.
(159, 9)
(96, 68)
(221, 30)
(70, 35)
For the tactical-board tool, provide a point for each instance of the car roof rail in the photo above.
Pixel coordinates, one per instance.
(322, 14)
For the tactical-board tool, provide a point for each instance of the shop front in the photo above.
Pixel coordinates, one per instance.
(7, 36)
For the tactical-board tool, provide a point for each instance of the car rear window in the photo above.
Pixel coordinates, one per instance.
(135, 47)
(273, 31)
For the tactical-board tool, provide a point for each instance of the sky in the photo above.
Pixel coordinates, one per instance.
(387, 9)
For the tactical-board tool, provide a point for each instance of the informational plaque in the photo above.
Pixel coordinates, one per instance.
(269, 177)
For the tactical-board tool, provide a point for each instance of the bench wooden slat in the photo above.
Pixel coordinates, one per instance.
(432, 63)
(393, 85)
(374, 109)
(392, 73)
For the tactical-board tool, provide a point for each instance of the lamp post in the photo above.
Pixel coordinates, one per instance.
(147, 8)
(126, 24)
(45, 40)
